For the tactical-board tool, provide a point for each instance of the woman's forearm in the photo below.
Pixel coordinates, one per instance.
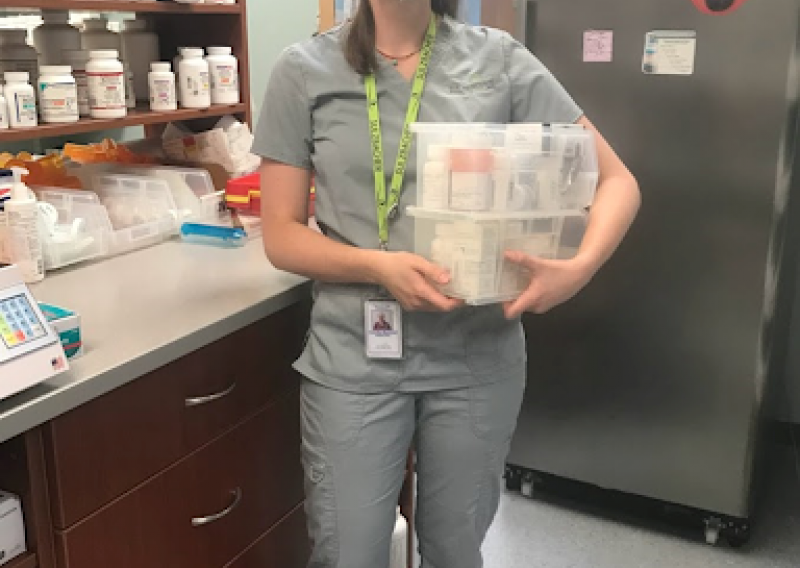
(296, 248)
(614, 210)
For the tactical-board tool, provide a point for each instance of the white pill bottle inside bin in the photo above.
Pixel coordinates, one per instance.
(399, 555)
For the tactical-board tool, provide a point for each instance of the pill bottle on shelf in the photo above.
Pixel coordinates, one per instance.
(21, 100)
(106, 79)
(161, 81)
(224, 70)
(58, 94)
(194, 73)
(78, 59)
(55, 36)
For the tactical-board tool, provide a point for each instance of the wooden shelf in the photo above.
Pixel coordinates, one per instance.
(139, 117)
(27, 560)
(149, 6)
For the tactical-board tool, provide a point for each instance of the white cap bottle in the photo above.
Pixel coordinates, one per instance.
(106, 79)
(436, 179)
(195, 86)
(162, 87)
(23, 230)
(21, 100)
(224, 68)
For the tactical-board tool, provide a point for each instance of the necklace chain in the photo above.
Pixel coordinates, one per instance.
(396, 60)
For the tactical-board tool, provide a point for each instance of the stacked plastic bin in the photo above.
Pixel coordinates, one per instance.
(487, 189)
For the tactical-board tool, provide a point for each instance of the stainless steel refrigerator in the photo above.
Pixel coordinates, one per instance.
(652, 382)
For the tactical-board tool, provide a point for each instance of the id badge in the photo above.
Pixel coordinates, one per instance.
(383, 329)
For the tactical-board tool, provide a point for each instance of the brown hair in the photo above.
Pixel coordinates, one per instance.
(359, 47)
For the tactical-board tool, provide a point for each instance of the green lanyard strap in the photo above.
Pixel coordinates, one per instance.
(387, 207)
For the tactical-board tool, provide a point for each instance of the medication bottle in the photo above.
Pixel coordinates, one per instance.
(224, 69)
(130, 87)
(97, 37)
(194, 76)
(3, 112)
(21, 100)
(436, 179)
(471, 180)
(140, 47)
(58, 94)
(399, 553)
(78, 59)
(54, 37)
(162, 87)
(176, 64)
(23, 230)
(106, 84)
(16, 54)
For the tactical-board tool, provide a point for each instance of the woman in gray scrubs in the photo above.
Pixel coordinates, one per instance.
(457, 389)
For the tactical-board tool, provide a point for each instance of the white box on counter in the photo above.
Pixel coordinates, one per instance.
(12, 530)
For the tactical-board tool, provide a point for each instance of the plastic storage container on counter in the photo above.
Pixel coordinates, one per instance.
(141, 210)
(487, 189)
(76, 227)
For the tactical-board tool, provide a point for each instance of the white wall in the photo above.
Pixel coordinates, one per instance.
(272, 26)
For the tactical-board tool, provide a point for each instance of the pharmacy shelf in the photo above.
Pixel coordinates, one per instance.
(27, 560)
(139, 117)
(148, 6)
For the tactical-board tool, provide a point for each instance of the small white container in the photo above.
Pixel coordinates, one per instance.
(58, 94)
(20, 99)
(162, 87)
(106, 79)
(78, 59)
(140, 47)
(224, 69)
(195, 84)
(96, 36)
(54, 37)
(23, 230)
(16, 54)
(436, 179)
(3, 112)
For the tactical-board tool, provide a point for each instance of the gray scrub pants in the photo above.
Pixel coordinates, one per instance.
(354, 454)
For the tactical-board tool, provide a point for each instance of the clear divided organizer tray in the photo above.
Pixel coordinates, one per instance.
(487, 189)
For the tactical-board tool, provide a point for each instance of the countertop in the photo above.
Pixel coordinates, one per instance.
(144, 310)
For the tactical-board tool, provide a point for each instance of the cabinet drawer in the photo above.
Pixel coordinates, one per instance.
(153, 525)
(110, 445)
(284, 546)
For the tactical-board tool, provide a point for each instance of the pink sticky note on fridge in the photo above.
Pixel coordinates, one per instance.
(598, 46)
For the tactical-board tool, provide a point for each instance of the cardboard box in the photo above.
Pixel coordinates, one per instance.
(12, 529)
(67, 325)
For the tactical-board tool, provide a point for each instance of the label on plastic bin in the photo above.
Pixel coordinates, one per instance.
(670, 52)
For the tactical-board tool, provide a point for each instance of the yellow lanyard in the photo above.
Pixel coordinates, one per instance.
(387, 207)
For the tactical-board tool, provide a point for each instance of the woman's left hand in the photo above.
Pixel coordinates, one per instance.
(552, 283)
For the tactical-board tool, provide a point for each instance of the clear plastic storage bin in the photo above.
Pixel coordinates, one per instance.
(485, 189)
(75, 227)
(142, 210)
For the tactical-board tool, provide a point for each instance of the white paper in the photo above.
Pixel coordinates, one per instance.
(670, 52)
(598, 46)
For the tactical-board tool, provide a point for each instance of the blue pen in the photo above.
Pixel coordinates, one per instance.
(225, 237)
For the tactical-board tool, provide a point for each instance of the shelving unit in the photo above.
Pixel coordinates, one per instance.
(27, 560)
(177, 25)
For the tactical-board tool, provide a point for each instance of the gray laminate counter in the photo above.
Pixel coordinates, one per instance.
(144, 310)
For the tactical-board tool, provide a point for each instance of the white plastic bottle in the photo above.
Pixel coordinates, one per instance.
(16, 54)
(20, 99)
(194, 75)
(399, 554)
(106, 84)
(55, 36)
(130, 87)
(140, 48)
(96, 36)
(224, 69)
(58, 94)
(23, 230)
(436, 179)
(78, 59)
(162, 87)
(6, 183)
(3, 112)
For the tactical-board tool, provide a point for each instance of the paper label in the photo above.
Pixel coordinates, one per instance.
(106, 91)
(670, 53)
(598, 46)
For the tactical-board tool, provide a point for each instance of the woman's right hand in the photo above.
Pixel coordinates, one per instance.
(412, 281)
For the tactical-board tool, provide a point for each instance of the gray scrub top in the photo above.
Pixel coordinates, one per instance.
(315, 117)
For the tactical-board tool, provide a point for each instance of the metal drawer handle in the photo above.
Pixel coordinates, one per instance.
(202, 521)
(201, 400)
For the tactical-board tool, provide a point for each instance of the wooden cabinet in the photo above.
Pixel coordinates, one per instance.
(108, 446)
